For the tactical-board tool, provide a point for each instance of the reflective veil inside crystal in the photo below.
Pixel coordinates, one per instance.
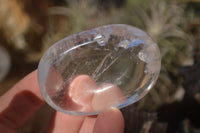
(109, 66)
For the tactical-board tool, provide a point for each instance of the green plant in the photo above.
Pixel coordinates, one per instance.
(163, 21)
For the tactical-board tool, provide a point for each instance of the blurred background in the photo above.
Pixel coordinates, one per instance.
(29, 27)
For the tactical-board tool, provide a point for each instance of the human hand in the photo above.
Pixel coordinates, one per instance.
(21, 101)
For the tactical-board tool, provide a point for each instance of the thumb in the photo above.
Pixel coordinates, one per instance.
(109, 121)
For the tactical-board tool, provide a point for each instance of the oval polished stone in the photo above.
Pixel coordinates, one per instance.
(109, 66)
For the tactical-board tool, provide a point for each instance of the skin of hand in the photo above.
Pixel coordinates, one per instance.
(24, 99)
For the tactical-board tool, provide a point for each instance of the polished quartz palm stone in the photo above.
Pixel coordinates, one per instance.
(109, 66)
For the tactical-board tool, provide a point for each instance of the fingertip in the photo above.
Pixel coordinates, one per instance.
(109, 121)
(107, 95)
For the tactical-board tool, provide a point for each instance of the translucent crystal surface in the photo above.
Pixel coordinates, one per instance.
(109, 66)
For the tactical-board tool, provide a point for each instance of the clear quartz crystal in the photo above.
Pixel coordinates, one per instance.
(109, 66)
